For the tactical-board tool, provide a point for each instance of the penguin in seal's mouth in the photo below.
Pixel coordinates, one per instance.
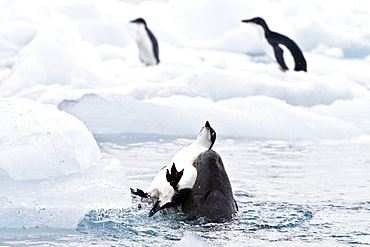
(175, 183)
(211, 196)
(160, 191)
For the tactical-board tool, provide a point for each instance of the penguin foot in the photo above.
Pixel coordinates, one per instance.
(174, 177)
(282, 69)
(139, 192)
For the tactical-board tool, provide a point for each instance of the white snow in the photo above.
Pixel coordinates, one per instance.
(81, 57)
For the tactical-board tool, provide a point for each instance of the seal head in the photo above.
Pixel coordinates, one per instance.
(211, 196)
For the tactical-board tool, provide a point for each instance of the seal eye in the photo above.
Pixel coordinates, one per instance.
(207, 194)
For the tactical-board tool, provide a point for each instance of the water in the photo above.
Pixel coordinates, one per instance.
(288, 193)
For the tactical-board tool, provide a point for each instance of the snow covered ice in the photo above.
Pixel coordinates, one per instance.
(71, 68)
(39, 141)
(59, 59)
(50, 168)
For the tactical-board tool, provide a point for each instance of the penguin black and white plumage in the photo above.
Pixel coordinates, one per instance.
(147, 43)
(160, 190)
(211, 199)
(280, 47)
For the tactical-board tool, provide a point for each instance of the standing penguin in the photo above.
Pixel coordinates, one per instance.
(280, 47)
(147, 43)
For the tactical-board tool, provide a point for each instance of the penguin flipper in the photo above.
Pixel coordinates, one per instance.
(299, 60)
(155, 44)
(279, 56)
(139, 192)
(155, 209)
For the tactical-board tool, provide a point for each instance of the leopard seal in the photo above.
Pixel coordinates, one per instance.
(211, 197)
(160, 190)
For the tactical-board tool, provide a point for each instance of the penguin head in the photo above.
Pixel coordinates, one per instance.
(207, 136)
(255, 20)
(259, 23)
(139, 21)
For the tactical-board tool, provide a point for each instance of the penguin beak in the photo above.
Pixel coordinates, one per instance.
(246, 21)
(213, 134)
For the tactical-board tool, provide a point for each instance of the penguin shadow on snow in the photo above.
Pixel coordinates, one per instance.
(194, 183)
(279, 47)
(146, 42)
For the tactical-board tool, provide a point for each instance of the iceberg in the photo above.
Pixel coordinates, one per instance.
(51, 170)
(39, 142)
